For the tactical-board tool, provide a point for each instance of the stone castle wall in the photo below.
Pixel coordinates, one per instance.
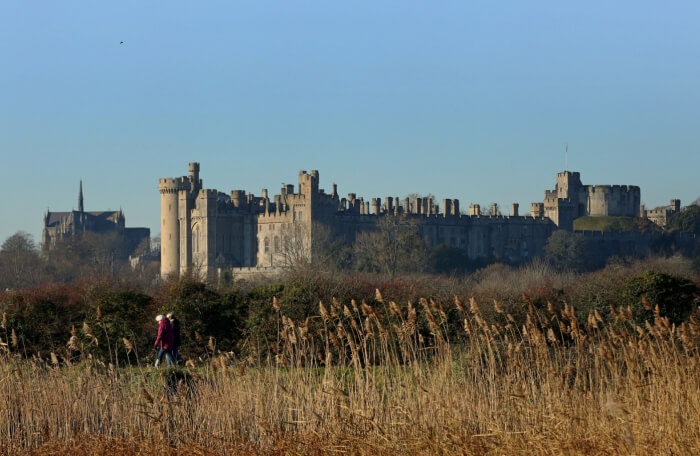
(613, 200)
(661, 215)
(207, 230)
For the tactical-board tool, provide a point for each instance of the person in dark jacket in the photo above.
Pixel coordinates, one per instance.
(178, 342)
(165, 340)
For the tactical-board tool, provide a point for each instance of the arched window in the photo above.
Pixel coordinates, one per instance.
(277, 244)
(266, 245)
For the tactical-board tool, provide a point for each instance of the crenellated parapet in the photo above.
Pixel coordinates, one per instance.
(172, 185)
(537, 210)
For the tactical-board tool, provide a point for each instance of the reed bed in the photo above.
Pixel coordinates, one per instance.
(382, 378)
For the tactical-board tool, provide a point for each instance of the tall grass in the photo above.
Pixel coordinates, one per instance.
(382, 378)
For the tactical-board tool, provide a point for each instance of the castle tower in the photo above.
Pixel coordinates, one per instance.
(308, 183)
(195, 181)
(568, 184)
(81, 209)
(170, 226)
(675, 205)
(537, 210)
(170, 241)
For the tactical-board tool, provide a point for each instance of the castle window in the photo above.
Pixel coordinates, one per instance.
(266, 245)
(277, 244)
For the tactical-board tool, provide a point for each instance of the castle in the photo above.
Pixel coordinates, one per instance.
(211, 231)
(63, 225)
(661, 215)
(570, 200)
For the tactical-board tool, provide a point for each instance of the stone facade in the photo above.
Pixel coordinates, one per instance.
(661, 215)
(208, 231)
(61, 225)
(570, 200)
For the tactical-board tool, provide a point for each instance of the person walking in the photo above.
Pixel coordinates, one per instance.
(165, 340)
(177, 340)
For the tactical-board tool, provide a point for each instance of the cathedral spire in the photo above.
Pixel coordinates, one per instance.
(80, 198)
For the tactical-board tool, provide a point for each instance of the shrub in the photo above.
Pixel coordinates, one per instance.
(204, 311)
(675, 296)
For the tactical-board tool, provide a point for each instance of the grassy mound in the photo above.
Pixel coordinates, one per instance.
(606, 223)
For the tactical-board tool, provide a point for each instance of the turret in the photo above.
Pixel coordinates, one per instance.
(308, 183)
(195, 182)
(675, 205)
(537, 210)
(568, 184)
(238, 198)
(447, 207)
(170, 224)
(376, 204)
(81, 209)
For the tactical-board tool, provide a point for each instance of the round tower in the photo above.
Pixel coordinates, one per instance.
(169, 226)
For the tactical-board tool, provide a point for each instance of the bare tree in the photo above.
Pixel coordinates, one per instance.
(304, 246)
(20, 263)
(292, 249)
(396, 246)
(87, 255)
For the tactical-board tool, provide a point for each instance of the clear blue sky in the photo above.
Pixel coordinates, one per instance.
(468, 100)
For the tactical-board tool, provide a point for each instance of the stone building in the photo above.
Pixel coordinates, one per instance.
(570, 200)
(661, 215)
(61, 225)
(209, 231)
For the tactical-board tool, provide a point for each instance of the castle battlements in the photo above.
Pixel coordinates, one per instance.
(612, 188)
(210, 229)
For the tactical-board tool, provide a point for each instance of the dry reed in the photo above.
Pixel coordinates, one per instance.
(375, 383)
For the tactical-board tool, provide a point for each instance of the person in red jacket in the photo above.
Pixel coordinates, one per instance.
(165, 340)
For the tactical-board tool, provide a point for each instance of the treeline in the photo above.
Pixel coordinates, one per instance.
(103, 317)
(86, 256)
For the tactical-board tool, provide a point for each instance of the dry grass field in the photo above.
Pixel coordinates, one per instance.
(380, 379)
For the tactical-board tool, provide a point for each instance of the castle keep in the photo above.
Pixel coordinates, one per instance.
(570, 200)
